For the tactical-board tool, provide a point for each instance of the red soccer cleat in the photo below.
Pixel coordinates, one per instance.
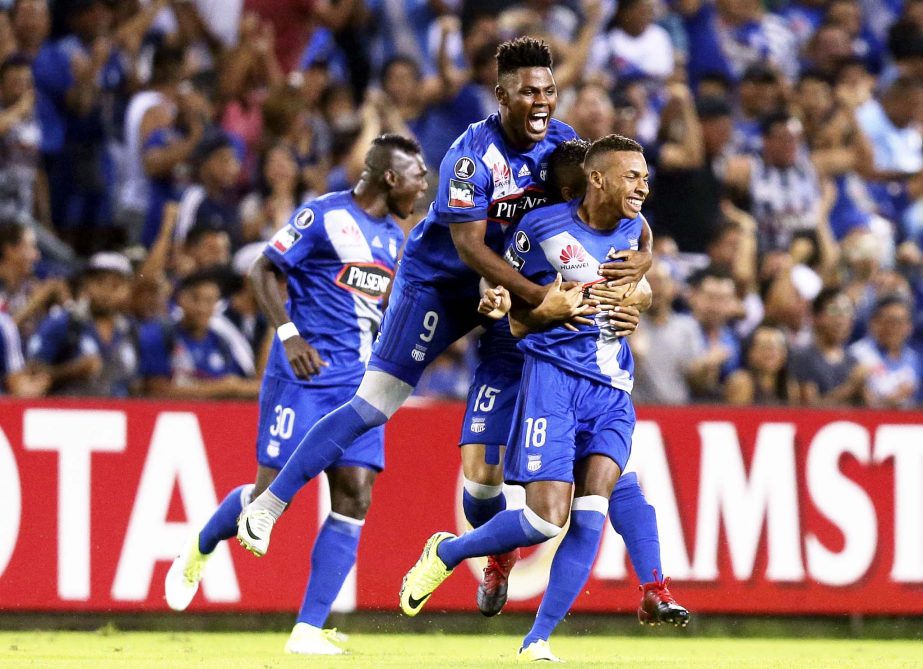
(492, 590)
(658, 605)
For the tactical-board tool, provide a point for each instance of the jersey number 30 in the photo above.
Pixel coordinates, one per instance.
(285, 422)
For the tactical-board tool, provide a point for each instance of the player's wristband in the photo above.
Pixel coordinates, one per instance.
(287, 331)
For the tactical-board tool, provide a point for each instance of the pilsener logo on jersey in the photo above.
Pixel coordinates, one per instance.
(367, 279)
(513, 207)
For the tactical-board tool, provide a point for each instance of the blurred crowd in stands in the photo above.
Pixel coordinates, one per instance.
(148, 148)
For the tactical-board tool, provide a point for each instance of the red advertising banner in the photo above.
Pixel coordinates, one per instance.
(759, 510)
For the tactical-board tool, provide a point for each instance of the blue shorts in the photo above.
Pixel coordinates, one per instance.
(491, 403)
(419, 324)
(288, 410)
(561, 418)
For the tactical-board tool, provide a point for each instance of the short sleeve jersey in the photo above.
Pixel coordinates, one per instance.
(554, 240)
(480, 178)
(339, 262)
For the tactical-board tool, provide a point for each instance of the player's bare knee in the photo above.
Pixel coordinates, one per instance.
(476, 468)
(351, 491)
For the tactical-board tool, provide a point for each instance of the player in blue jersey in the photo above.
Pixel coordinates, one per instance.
(490, 414)
(489, 178)
(574, 416)
(338, 254)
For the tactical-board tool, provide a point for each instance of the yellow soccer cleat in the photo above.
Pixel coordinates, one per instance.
(538, 651)
(183, 578)
(425, 576)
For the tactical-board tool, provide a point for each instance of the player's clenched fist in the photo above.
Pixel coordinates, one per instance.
(305, 361)
(495, 303)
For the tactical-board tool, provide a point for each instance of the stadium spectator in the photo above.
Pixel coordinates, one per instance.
(197, 354)
(839, 151)
(268, 208)
(209, 201)
(23, 188)
(91, 348)
(727, 37)
(780, 184)
(632, 45)
(764, 379)
(894, 369)
(712, 297)
(15, 378)
(827, 373)
(892, 126)
(667, 345)
(24, 297)
(592, 114)
(760, 93)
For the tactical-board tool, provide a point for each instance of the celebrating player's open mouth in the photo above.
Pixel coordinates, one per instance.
(634, 203)
(538, 122)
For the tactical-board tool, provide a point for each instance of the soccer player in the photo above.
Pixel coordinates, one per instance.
(492, 409)
(338, 254)
(574, 416)
(489, 178)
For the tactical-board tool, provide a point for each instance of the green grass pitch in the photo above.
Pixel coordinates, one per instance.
(169, 650)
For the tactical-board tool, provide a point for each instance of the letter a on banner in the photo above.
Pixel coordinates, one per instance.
(176, 457)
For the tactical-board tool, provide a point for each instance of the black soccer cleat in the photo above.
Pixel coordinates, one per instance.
(658, 606)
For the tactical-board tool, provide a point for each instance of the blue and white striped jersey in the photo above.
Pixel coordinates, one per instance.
(11, 359)
(554, 239)
(480, 178)
(339, 262)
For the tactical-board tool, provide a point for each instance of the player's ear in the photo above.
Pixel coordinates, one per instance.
(390, 178)
(596, 178)
(501, 94)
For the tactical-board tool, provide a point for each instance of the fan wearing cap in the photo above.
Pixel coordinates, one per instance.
(197, 354)
(91, 348)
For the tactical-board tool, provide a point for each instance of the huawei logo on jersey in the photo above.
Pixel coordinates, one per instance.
(367, 279)
(352, 232)
(572, 253)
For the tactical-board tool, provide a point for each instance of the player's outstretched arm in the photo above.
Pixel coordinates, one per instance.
(469, 242)
(305, 361)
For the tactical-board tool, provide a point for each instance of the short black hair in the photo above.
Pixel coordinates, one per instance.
(199, 278)
(167, 65)
(522, 52)
(696, 279)
(711, 107)
(825, 297)
(567, 155)
(400, 59)
(890, 300)
(610, 144)
(12, 62)
(11, 233)
(378, 158)
(768, 122)
(815, 75)
(200, 231)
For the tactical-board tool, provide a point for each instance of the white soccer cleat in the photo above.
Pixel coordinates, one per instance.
(537, 651)
(182, 580)
(309, 640)
(253, 529)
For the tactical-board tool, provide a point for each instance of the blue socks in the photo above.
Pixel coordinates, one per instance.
(333, 556)
(482, 502)
(223, 523)
(504, 532)
(571, 565)
(324, 444)
(636, 522)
